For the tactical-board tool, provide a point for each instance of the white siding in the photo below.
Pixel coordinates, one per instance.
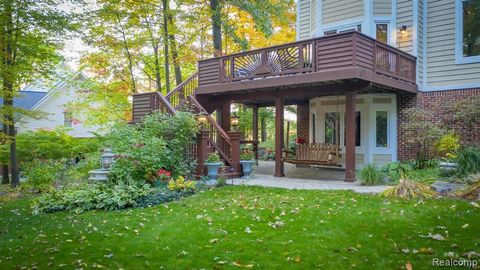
(304, 19)
(441, 68)
(339, 10)
(405, 17)
(313, 17)
(420, 43)
(54, 106)
(382, 7)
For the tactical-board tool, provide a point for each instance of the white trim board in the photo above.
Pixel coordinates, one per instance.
(451, 87)
(459, 58)
(319, 17)
(424, 40)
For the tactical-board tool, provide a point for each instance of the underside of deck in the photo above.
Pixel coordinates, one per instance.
(347, 64)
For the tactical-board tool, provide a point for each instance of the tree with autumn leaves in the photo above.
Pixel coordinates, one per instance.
(153, 45)
(131, 46)
(32, 33)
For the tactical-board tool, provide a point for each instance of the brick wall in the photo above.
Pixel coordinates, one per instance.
(438, 102)
(303, 120)
(404, 101)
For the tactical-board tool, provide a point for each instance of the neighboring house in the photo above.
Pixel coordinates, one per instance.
(356, 67)
(53, 101)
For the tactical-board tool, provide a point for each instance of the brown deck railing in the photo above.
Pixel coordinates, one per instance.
(147, 103)
(183, 98)
(350, 49)
(182, 91)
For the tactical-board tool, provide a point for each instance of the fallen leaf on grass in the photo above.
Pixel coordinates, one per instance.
(243, 265)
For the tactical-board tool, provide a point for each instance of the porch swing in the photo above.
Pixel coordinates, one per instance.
(317, 154)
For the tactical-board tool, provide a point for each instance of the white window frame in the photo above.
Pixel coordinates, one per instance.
(352, 25)
(459, 58)
(389, 30)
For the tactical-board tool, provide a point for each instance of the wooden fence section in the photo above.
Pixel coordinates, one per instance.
(344, 50)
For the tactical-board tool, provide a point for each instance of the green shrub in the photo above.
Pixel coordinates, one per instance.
(50, 144)
(468, 160)
(42, 174)
(91, 197)
(78, 172)
(422, 133)
(395, 170)
(159, 142)
(247, 155)
(213, 158)
(221, 181)
(370, 175)
(448, 144)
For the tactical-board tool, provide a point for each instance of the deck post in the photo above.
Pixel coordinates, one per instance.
(350, 136)
(225, 118)
(202, 138)
(279, 119)
(235, 152)
(255, 130)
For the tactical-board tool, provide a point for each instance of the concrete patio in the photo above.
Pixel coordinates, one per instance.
(303, 178)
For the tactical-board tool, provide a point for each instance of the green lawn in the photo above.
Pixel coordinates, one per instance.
(243, 227)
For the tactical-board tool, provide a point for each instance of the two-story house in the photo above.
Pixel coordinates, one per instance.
(355, 68)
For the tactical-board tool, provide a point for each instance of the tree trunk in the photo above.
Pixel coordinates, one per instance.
(5, 173)
(158, 78)
(263, 128)
(8, 82)
(173, 48)
(216, 27)
(165, 43)
(129, 56)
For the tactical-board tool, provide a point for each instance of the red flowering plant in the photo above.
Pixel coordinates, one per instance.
(300, 140)
(163, 175)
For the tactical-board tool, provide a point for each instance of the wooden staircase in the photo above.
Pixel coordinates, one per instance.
(182, 98)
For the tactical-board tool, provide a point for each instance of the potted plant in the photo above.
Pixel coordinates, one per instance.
(213, 162)
(246, 159)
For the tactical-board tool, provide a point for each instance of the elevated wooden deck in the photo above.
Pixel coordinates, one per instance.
(343, 57)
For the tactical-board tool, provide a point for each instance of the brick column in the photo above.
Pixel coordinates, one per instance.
(235, 151)
(202, 138)
(303, 121)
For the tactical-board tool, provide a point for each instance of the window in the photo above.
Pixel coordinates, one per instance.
(381, 32)
(357, 130)
(331, 120)
(381, 124)
(314, 128)
(467, 31)
(331, 32)
(471, 27)
(357, 27)
(67, 119)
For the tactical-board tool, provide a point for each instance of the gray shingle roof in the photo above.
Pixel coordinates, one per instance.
(26, 99)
